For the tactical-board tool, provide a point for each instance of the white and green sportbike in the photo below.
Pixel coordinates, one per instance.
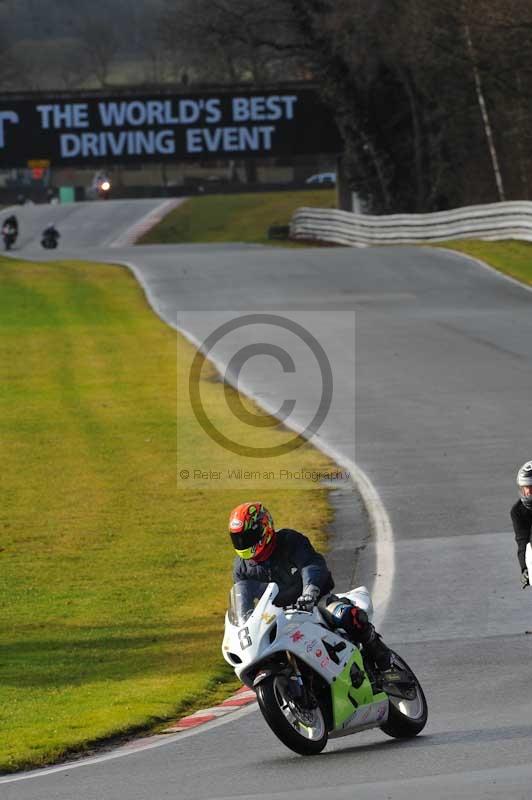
(312, 683)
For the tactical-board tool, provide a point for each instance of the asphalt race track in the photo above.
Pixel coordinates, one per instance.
(443, 379)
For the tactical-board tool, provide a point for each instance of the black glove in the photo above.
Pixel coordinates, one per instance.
(309, 598)
(524, 579)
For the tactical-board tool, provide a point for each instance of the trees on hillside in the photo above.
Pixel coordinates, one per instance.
(99, 41)
(432, 96)
(422, 92)
(232, 40)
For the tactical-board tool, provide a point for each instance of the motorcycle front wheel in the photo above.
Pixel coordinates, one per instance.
(301, 729)
(407, 716)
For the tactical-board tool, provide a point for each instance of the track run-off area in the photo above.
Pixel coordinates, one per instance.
(431, 402)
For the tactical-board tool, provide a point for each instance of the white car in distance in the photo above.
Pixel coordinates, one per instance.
(323, 177)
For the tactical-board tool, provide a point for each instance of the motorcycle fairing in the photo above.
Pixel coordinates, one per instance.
(300, 633)
(270, 630)
(356, 708)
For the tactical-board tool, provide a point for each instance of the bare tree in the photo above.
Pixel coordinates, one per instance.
(10, 64)
(406, 88)
(233, 40)
(157, 66)
(100, 44)
(70, 63)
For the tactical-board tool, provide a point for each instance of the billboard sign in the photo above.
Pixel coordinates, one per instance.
(130, 128)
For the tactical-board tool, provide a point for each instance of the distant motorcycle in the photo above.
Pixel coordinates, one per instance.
(50, 238)
(104, 188)
(9, 235)
(100, 187)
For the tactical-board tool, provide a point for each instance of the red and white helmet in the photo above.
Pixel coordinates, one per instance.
(252, 532)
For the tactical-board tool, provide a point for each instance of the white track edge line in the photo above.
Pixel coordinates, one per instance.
(379, 519)
(160, 740)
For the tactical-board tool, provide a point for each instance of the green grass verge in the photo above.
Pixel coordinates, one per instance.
(235, 217)
(512, 257)
(114, 576)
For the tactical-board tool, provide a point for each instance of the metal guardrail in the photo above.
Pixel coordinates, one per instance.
(511, 220)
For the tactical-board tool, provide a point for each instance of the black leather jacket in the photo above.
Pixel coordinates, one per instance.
(522, 522)
(293, 564)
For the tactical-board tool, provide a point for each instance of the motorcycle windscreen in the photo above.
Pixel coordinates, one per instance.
(243, 599)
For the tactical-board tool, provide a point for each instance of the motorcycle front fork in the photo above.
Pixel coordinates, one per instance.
(297, 686)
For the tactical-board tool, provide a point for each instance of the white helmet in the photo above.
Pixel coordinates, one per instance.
(524, 478)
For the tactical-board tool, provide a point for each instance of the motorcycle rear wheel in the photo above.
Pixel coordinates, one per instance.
(302, 730)
(406, 717)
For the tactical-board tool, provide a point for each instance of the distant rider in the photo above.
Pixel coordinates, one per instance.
(11, 225)
(288, 558)
(51, 232)
(521, 514)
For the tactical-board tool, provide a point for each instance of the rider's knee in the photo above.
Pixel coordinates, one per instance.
(349, 616)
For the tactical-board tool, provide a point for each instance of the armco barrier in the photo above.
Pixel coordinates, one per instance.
(512, 220)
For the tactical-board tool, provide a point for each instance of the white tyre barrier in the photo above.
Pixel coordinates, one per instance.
(494, 221)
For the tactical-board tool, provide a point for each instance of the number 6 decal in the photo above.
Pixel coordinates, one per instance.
(244, 638)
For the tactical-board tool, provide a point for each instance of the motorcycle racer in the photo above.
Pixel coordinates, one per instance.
(11, 222)
(288, 558)
(521, 514)
(10, 231)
